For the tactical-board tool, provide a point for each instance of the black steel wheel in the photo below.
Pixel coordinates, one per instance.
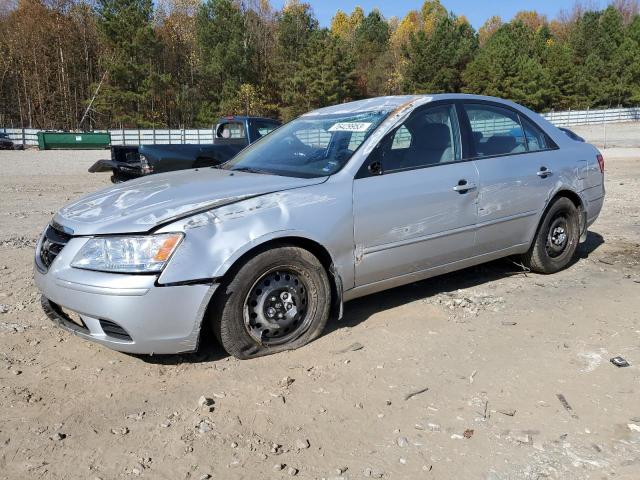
(275, 310)
(556, 239)
(278, 300)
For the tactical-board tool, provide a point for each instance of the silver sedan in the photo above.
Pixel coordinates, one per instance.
(342, 202)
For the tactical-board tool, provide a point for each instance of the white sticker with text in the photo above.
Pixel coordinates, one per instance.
(350, 127)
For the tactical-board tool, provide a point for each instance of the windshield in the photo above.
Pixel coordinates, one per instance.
(310, 146)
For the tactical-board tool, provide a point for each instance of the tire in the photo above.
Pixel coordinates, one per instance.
(557, 238)
(286, 288)
(118, 177)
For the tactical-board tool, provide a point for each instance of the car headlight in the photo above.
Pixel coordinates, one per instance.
(132, 254)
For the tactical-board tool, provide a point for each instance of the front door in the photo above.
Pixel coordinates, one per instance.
(414, 200)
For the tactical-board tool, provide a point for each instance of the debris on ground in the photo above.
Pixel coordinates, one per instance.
(354, 347)
(566, 405)
(468, 304)
(286, 382)
(620, 362)
(417, 392)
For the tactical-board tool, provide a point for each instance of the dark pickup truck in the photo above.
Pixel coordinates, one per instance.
(232, 134)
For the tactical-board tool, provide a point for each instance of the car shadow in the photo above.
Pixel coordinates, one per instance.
(591, 244)
(361, 309)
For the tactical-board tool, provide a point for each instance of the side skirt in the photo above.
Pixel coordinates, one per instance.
(431, 272)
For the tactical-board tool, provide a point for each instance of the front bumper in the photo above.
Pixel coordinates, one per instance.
(156, 319)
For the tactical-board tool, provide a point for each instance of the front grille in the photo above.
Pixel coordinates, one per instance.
(112, 329)
(52, 244)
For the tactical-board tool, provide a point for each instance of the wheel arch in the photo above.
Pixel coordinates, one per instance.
(577, 201)
(296, 239)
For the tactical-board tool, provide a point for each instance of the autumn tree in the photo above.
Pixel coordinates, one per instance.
(489, 27)
(183, 63)
(432, 12)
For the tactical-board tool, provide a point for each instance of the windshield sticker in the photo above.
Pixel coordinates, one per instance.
(350, 127)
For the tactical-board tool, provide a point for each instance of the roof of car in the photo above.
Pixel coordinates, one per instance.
(390, 103)
(242, 118)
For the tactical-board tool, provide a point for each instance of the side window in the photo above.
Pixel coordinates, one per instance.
(536, 138)
(495, 130)
(264, 128)
(401, 139)
(428, 137)
(230, 130)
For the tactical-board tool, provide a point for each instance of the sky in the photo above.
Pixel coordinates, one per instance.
(476, 11)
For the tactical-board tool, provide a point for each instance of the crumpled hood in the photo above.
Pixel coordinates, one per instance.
(139, 205)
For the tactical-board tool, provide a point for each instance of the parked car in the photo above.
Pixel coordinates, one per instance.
(231, 135)
(5, 142)
(342, 202)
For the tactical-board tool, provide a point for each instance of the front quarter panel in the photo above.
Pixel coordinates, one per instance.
(215, 240)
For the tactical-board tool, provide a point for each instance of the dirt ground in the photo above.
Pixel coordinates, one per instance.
(513, 370)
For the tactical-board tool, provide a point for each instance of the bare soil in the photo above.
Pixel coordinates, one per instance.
(488, 373)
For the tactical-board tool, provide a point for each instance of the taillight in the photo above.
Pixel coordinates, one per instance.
(600, 162)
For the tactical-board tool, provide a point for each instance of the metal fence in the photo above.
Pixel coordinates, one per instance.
(28, 136)
(593, 117)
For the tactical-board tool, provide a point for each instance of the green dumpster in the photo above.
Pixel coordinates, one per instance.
(71, 140)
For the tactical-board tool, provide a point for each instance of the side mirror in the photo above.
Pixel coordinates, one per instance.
(375, 168)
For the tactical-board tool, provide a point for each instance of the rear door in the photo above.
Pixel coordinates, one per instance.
(414, 199)
(514, 160)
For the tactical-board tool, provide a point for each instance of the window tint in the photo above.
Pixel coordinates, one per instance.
(230, 130)
(536, 139)
(265, 127)
(428, 137)
(496, 131)
(401, 139)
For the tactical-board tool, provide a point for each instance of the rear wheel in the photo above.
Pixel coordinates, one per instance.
(557, 238)
(278, 300)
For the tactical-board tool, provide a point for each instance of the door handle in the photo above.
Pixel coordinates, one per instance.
(544, 172)
(464, 186)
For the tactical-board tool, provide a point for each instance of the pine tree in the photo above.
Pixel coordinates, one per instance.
(435, 63)
(132, 49)
(296, 26)
(508, 66)
(225, 56)
(373, 57)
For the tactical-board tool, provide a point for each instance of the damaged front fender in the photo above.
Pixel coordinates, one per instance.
(217, 239)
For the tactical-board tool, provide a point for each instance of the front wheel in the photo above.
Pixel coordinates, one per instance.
(556, 239)
(278, 300)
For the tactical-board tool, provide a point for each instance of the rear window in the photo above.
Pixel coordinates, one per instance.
(230, 130)
(264, 128)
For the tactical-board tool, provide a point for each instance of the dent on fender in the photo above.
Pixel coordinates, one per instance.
(222, 235)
